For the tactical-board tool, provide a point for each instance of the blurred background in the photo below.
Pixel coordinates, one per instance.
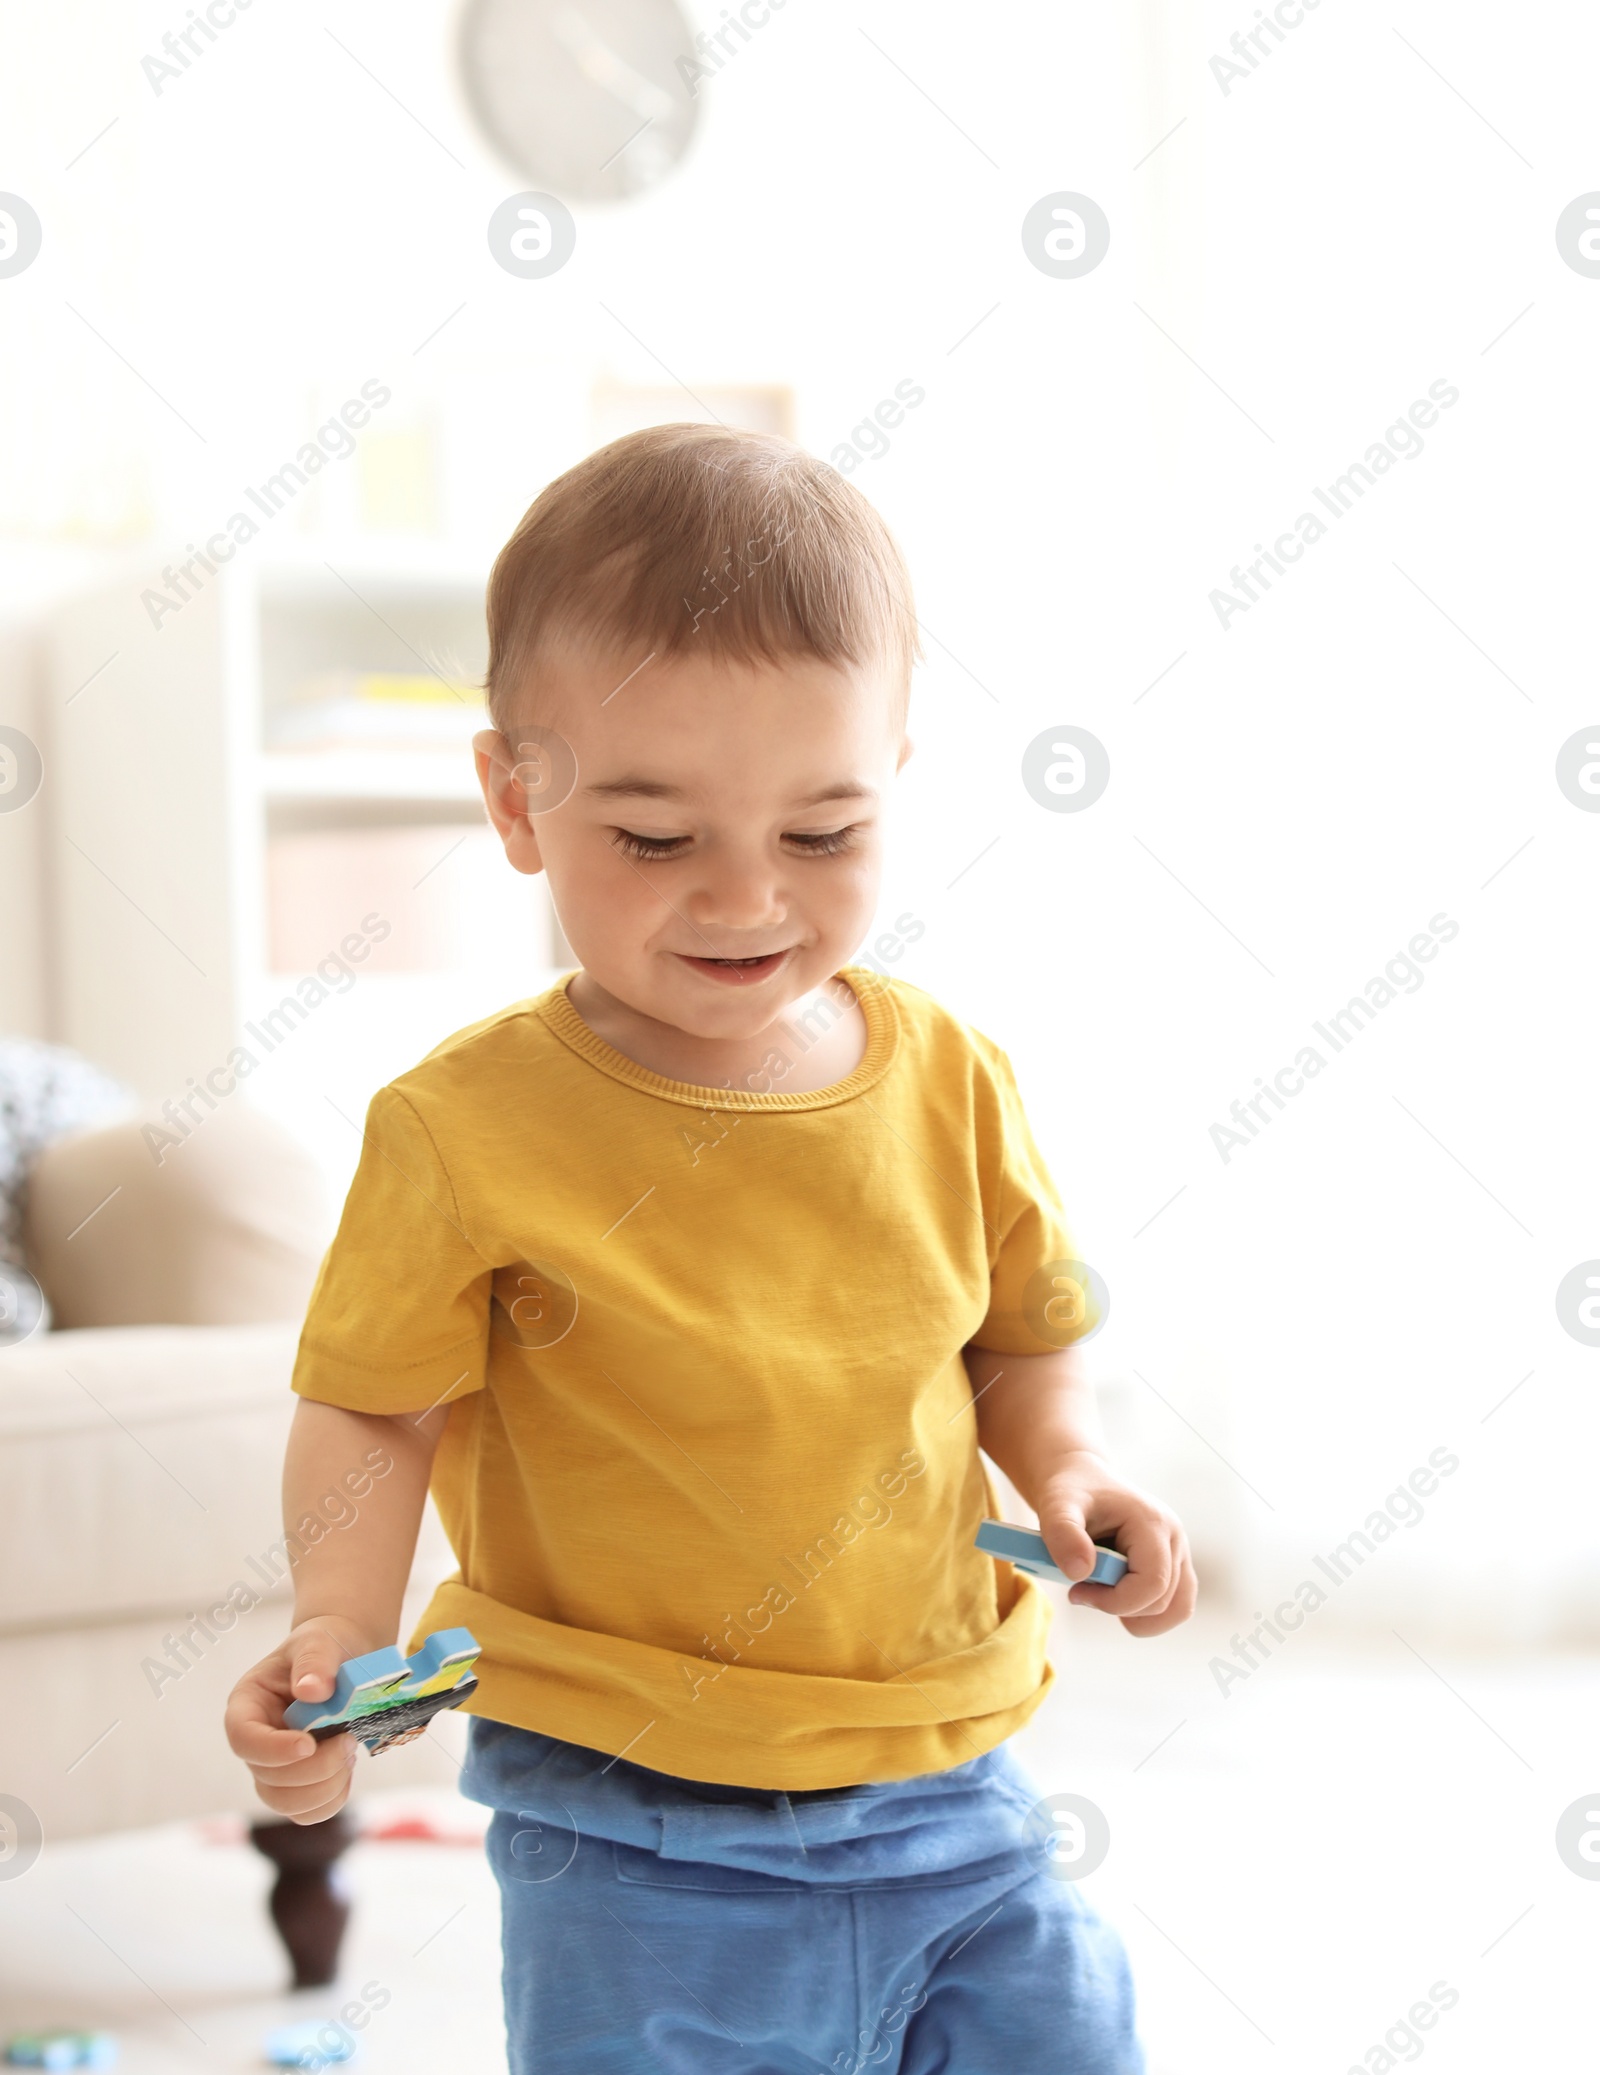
(279, 379)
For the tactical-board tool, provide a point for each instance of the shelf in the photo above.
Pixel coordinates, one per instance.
(370, 774)
(235, 851)
(350, 569)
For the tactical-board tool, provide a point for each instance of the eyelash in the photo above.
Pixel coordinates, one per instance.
(826, 843)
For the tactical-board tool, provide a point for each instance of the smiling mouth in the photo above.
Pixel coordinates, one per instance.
(736, 972)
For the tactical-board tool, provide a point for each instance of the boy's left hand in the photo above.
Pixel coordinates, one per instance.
(1083, 1503)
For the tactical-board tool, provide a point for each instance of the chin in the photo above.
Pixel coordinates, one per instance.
(737, 1019)
(706, 1010)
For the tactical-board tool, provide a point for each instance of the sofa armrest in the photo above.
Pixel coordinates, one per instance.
(140, 1474)
(140, 1469)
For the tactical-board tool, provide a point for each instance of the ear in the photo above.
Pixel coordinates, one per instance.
(505, 800)
(907, 750)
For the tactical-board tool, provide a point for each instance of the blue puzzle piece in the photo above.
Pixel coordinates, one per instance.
(62, 2050)
(1025, 1548)
(384, 1698)
(362, 1684)
(309, 2045)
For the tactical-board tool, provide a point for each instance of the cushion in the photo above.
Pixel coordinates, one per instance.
(125, 1227)
(46, 1091)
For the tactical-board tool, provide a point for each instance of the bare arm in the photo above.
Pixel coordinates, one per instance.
(349, 1585)
(359, 1572)
(1038, 1422)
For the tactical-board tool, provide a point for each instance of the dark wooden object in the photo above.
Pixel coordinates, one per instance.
(308, 1903)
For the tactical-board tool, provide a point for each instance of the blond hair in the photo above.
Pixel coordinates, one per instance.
(686, 539)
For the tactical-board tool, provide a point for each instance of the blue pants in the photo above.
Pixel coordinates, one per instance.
(657, 1926)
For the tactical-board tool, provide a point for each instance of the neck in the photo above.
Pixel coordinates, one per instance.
(814, 1042)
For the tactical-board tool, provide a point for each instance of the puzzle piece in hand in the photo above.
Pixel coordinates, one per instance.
(1024, 1547)
(384, 1699)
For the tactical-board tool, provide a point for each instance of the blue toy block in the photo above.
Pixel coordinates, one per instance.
(62, 2050)
(309, 2045)
(384, 1699)
(1024, 1548)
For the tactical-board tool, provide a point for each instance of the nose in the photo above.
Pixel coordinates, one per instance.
(736, 892)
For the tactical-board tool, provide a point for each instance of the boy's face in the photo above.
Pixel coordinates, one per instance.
(720, 854)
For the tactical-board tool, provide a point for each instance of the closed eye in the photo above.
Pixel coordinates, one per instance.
(824, 842)
(805, 842)
(632, 844)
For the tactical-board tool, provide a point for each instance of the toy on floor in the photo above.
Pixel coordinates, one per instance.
(1024, 1547)
(62, 2050)
(312, 2045)
(384, 1699)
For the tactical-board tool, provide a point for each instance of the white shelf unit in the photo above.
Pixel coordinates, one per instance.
(166, 803)
(373, 774)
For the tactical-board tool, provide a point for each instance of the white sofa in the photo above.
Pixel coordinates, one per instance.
(139, 1481)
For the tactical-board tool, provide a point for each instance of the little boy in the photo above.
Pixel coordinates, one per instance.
(693, 1288)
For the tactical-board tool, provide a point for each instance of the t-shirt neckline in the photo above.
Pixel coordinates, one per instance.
(883, 1037)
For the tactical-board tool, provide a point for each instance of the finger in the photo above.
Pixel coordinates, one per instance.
(315, 1655)
(1158, 1607)
(301, 1803)
(1148, 1578)
(254, 1725)
(1180, 1605)
(265, 1749)
(319, 1814)
(323, 1815)
(1066, 1536)
(1145, 1584)
(332, 1759)
(1151, 1624)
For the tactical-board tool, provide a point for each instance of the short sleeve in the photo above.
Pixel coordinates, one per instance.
(398, 1319)
(1041, 1296)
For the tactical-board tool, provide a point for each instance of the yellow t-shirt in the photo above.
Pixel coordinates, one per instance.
(711, 1471)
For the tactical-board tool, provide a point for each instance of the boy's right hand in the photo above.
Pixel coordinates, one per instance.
(295, 1775)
